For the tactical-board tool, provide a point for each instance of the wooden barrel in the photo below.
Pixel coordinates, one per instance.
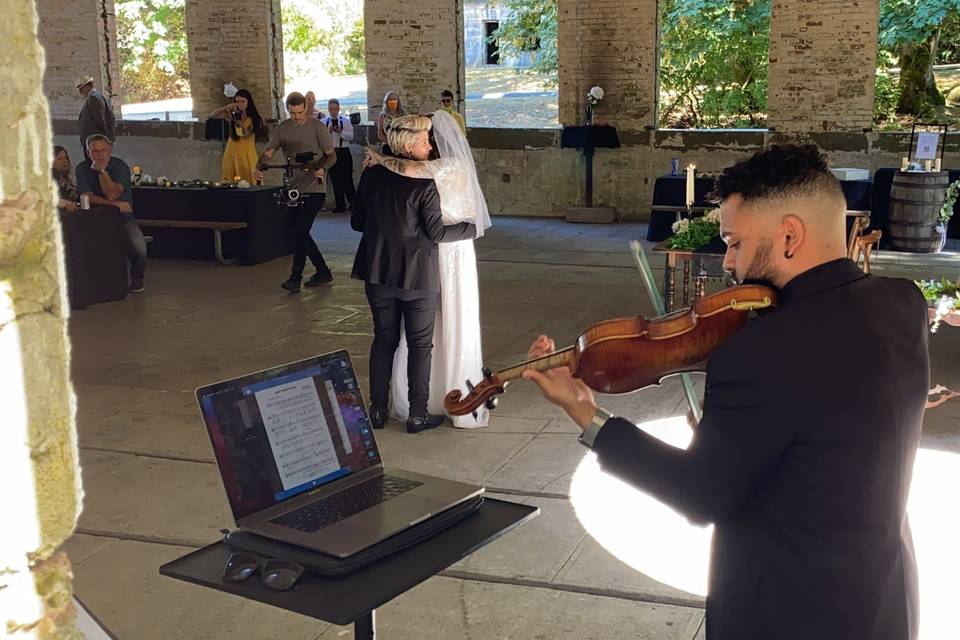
(915, 201)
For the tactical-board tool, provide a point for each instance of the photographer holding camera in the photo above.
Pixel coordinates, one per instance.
(300, 134)
(240, 156)
(342, 173)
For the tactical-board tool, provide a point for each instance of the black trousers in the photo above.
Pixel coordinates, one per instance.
(341, 174)
(418, 309)
(303, 244)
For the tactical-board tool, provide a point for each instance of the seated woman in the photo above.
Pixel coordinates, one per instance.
(66, 184)
(246, 125)
(457, 353)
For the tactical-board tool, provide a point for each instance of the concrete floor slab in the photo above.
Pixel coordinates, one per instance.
(148, 433)
(121, 585)
(442, 608)
(546, 465)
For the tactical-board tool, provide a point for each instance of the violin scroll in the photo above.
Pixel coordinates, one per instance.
(456, 404)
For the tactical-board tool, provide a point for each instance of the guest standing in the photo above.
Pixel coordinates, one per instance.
(62, 174)
(106, 180)
(341, 174)
(446, 104)
(96, 114)
(312, 111)
(391, 109)
(246, 125)
(295, 135)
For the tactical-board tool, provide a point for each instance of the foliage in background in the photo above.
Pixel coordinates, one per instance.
(713, 63)
(886, 93)
(530, 27)
(323, 35)
(152, 45)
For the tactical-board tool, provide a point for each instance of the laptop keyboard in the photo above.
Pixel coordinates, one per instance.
(323, 513)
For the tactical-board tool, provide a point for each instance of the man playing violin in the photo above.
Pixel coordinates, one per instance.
(804, 455)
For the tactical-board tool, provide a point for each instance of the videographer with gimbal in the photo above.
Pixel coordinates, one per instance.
(297, 136)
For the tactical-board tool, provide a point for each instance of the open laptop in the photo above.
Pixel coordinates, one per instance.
(300, 463)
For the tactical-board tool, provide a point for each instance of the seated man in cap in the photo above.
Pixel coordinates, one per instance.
(96, 115)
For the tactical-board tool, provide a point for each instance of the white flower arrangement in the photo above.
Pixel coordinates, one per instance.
(595, 95)
(693, 234)
(680, 226)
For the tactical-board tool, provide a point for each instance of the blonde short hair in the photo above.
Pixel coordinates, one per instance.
(404, 130)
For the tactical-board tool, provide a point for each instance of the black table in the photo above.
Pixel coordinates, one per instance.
(588, 138)
(95, 256)
(670, 191)
(880, 213)
(269, 226)
(354, 597)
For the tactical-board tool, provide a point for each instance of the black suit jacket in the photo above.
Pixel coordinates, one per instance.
(401, 224)
(803, 461)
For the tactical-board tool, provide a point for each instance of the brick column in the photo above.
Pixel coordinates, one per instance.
(414, 48)
(823, 56)
(80, 38)
(237, 41)
(39, 468)
(613, 44)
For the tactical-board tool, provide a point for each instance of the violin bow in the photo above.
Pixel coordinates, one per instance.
(656, 298)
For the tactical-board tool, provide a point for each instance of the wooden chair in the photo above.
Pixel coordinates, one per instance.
(860, 224)
(865, 245)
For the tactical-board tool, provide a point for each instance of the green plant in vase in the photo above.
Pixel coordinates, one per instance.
(698, 232)
(943, 298)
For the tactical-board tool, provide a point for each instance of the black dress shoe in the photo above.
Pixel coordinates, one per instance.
(318, 279)
(416, 424)
(292, 285)
(378, 417)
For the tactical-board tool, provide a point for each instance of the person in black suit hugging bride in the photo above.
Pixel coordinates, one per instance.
(400, 219)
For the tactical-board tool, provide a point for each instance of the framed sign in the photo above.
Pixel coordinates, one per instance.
(926, 140)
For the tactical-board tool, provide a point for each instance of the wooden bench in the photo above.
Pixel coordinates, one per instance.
(217, 227)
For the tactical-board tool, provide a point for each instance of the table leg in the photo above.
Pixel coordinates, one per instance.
(670, 265)
(686, 282)
(365, 628)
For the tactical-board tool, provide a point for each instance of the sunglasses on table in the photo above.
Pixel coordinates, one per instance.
(279, 575)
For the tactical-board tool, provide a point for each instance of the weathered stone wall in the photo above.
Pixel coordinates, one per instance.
(38, 448)
(79, 38)
(613, 44)
(414, 48)
(823, 56)
(237, 41)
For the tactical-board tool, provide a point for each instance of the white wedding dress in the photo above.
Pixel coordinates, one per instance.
(457, 354)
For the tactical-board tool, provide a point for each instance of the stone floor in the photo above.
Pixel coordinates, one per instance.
(153, 492)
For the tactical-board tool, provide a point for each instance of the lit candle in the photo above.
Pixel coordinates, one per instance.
(926, 165)
(690, 171)
(904, 163)
(936, 164)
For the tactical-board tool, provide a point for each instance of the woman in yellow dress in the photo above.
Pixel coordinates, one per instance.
(240, 156)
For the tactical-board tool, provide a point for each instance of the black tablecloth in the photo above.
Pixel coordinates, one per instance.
(880, 215)
(670, 190)
(268, 234)
(589, 136)
(95, 249)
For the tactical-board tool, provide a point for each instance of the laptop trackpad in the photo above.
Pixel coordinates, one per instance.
(397, 513)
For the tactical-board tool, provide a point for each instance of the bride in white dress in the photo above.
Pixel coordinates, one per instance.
(457, 355)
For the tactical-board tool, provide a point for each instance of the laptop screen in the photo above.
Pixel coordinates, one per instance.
(286, 430)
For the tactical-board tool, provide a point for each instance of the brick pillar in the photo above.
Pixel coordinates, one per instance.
(823, 57)
(414, 48)
(237, 41)
(80, 38)
(613, 44)
(39, 471)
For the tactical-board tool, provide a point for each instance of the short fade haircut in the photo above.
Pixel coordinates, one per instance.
(296, 99)
(333, 101)
(779, 172)
(446, 93)
(93, 137)
(404, 130)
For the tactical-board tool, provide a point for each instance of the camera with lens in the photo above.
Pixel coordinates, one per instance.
(289, 195)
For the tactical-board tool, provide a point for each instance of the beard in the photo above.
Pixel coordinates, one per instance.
(761, 269)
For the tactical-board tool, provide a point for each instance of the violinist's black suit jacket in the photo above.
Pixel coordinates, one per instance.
(803, 461)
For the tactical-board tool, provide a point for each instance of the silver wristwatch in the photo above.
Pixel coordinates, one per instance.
(600, 417)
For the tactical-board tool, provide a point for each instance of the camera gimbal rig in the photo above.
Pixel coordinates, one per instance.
(289, 195)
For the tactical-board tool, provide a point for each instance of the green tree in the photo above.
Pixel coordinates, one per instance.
(337, 45)
(152, 46)
(713, 63)
(529, 27)
(911, 29)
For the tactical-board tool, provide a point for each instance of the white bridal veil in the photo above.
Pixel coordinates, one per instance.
(455, 154)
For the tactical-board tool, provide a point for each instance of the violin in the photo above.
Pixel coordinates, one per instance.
(626, 354)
